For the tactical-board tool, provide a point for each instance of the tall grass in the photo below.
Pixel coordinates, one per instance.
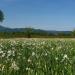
(37, 57)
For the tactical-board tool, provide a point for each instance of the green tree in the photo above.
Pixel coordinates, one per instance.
(1, 16)
(73, 33)
(28, 32)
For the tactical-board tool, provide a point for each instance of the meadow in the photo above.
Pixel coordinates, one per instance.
(37, 56)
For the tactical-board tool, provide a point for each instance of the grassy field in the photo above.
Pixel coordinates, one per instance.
(37, 56)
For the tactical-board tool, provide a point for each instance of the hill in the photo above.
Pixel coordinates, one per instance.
(6, 29)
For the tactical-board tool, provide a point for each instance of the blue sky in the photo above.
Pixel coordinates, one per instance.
(40, 14)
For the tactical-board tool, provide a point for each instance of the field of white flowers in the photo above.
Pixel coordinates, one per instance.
(37, 57)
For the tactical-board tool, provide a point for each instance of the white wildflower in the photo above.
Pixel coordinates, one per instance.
(3, 67)
(56, 58)
(3, 55)
(33, 53)
(46, 54)
(13, 53)
(14, 66)
(29, 60)
(1, 51)
(27, 68)
(52, 48)
(59, 47)
(9, 52)
(65, 56)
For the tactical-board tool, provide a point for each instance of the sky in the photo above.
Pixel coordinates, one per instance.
(39, 14)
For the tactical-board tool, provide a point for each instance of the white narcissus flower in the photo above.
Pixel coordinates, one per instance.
(52, 48)
(14, 66)
(27, 68)
(56, 58)
(3, 55)
(46, 54)
(3, 67)
(29, 60)
(9, 52)
(1, 51)
(33, 53)
(65, 56)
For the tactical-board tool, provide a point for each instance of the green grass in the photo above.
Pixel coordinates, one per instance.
(37, 57)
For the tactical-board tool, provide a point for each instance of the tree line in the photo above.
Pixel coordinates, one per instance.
(30, 34)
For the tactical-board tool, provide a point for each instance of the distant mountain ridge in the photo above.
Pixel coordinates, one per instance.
(6, 29)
